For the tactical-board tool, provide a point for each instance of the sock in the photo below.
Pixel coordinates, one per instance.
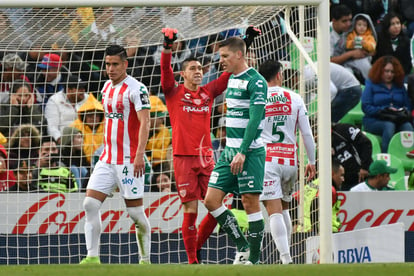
(255, 236)
(142, 231)
(93, 225)
(288, 224)
(189, 231)
(279, 235)
(205, 229)
(229, 224)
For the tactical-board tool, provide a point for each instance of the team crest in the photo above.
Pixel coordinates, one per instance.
(183, 192)
(197, 101)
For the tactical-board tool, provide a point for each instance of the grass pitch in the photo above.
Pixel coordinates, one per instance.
(211, 270)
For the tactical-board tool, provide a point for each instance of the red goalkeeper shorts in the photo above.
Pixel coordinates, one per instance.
(191, 175)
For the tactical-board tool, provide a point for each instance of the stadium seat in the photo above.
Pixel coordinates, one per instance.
(375, 141)
(397, 181)
(354, 116)
(401, 143)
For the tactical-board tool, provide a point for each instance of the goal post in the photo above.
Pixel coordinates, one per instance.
(47, 30)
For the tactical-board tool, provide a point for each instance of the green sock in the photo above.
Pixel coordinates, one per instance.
(229, 224)
(255, 237)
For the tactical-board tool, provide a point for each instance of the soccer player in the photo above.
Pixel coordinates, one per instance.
(189, 106)
(127, 116)
(285, 111)
(240, 168)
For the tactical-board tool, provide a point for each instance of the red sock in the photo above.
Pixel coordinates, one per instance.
(205, 229)
(189, 231)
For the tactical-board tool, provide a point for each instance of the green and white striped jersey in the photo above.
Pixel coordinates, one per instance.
(244, 90)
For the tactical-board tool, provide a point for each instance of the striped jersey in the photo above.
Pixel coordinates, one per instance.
(285, 111)
(245, 89)
(121, 104)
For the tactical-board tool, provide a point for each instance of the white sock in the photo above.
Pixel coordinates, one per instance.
(218, 211)
(143, 231)
(279, 235)
(93, 225)
(288, 224)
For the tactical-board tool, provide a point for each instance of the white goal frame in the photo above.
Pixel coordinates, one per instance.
(324, 110)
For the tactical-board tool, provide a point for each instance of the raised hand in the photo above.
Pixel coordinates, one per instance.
(170, 35)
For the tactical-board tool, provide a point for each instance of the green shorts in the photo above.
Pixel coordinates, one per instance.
(249, 181)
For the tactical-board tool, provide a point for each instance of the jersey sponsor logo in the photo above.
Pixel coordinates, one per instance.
(127, 181)
(259, 83)
(114, 115)
(196, 109)
(145, 99)
(238, 84)
(278, 99)
(234, 113)
(214, 177)
(278, 109)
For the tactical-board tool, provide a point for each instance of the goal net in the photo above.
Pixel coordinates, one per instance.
(48, 50)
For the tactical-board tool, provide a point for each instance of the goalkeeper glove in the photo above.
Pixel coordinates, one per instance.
(251, 33)
(170, 35)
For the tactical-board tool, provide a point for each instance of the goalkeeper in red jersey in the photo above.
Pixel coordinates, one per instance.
(189, 106)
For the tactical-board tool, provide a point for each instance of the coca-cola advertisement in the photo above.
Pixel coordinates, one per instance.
(63, 214)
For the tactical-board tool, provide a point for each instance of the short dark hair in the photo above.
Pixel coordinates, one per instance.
(20, 83)
(75, 82)
(340, 10)
(235, 44)
(187, 60)
(270, 68)
(116, 50)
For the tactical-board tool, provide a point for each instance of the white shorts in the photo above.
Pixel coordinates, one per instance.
(106, 177)
(279, 181)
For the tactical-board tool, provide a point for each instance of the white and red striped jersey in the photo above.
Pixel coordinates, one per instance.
(121, 104)
(285, 111)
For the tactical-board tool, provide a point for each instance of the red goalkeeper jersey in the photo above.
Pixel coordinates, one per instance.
(190, 111)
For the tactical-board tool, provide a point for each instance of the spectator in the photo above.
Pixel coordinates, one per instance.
(21, 109)
(406, 9)
(102, 29)
(161, 183)
(378, 178)
(7, 179)
(24, 179)
(345, 89)
(14, 68)
(72, 155)
(51, 79)
(159, 137)
(341, 17)
(385, 93)
(353, 150)
(50, 174)
(392, 41)
(90, 122)
(24, 145)
(362, 36)
(62, 108)
(311, 202)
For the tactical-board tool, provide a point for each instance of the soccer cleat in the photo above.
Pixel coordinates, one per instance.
(410, 154)
(144, 262)
(90, 260)
(241, 258)
(248, 263)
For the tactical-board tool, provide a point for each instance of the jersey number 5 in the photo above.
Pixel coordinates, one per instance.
(275, 131)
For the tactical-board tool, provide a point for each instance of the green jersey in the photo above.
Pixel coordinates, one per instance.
(244, 90)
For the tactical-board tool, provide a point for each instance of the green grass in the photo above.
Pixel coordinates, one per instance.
(211, 270)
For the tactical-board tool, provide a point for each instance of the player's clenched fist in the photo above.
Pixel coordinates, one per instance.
(170, 35)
